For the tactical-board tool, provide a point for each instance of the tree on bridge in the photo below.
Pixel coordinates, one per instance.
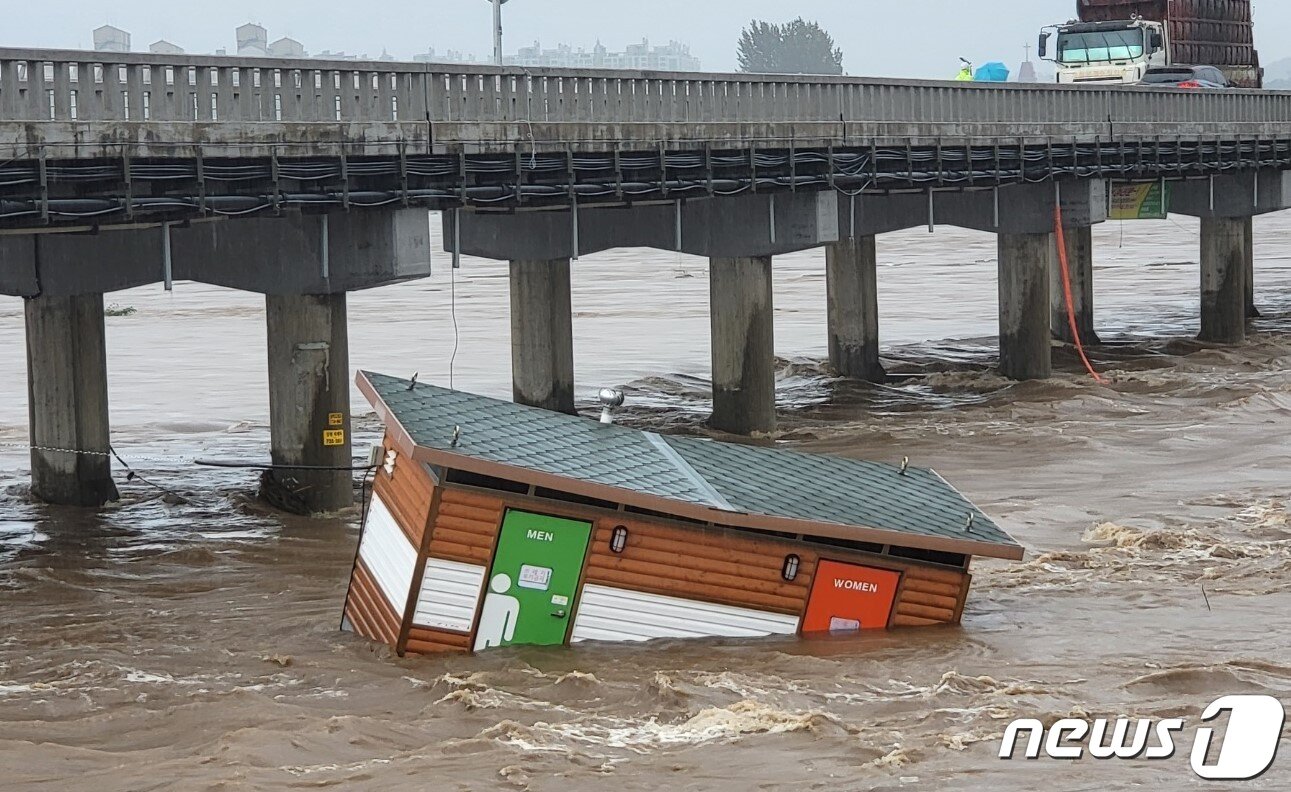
(797, 47)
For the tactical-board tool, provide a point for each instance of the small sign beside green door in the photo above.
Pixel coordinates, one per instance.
(533, 582)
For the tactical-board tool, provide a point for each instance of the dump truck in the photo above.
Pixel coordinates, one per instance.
(1117, 41)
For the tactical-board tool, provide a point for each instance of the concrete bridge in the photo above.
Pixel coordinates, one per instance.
(304, 180)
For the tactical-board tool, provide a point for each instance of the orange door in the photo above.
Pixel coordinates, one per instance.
(847, 598)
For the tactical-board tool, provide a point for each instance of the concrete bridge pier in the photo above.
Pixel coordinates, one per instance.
(1024, 271)
(304, 263)
(739, 235)
(1226, 205)
(67, 390)
(743, 344)
(851, 285)
(1223, 276)
(1080, 265)
(542, 334)
(309, 403)
(1252, 312)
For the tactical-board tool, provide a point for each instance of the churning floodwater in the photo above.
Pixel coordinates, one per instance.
(188, 639)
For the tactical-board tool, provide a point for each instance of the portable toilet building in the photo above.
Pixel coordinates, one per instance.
(495, 524)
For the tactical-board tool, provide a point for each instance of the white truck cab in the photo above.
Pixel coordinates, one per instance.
(1106, 52)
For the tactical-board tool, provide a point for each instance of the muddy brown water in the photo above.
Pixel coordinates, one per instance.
(189, 640)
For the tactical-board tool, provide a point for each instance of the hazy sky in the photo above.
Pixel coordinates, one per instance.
(913, 38)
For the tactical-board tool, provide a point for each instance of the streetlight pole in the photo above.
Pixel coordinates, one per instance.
(497, 31)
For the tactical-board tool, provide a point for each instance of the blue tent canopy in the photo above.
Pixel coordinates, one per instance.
(992, 72)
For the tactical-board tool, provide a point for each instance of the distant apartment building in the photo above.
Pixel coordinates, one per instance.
(452, 56)
(253, 41)
(674, 56)
(111, 39)
(164, 47)
(287, 48)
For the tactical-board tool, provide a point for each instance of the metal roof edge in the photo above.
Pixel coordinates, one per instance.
(970, 502)
(401, 436)
(708, 514)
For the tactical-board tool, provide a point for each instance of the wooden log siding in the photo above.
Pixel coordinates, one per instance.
(407, 493)
(425, 641)
(717, 565)
(372, 616)
(466, 528)
(930, 596)
(713, 565)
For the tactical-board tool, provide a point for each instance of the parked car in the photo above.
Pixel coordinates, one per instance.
(1186, 77)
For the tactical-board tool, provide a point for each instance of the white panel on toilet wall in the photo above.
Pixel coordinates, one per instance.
(613, 614)
(388, 554)
(449, 596)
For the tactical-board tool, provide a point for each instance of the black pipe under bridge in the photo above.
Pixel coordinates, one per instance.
(48, 191)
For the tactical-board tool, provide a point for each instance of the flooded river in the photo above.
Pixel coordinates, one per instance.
(188, 639)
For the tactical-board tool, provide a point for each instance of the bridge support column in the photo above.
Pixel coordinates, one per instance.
(542, 334)
(67, 396)
(1249, 229)
(1080, 265)
(851, 285)
(1024, 272)
(1223, 289)
(743, 338)
(309, 403)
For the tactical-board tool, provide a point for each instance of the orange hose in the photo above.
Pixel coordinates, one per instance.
(1066, 288)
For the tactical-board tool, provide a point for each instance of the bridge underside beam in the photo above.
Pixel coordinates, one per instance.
(309, 403)
(291, 254)
(745, 225)
(67, 389)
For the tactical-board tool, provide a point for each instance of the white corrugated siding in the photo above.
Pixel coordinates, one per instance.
(450, 593)
(611, 614)
(388, 554)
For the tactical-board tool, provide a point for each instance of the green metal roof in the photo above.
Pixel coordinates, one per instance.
(725, 477)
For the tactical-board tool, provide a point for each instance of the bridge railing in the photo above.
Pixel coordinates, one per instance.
(86, 87)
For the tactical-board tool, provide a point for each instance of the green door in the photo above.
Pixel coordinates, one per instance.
(529, 596)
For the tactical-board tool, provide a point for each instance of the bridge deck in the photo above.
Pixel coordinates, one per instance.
(109, 136)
